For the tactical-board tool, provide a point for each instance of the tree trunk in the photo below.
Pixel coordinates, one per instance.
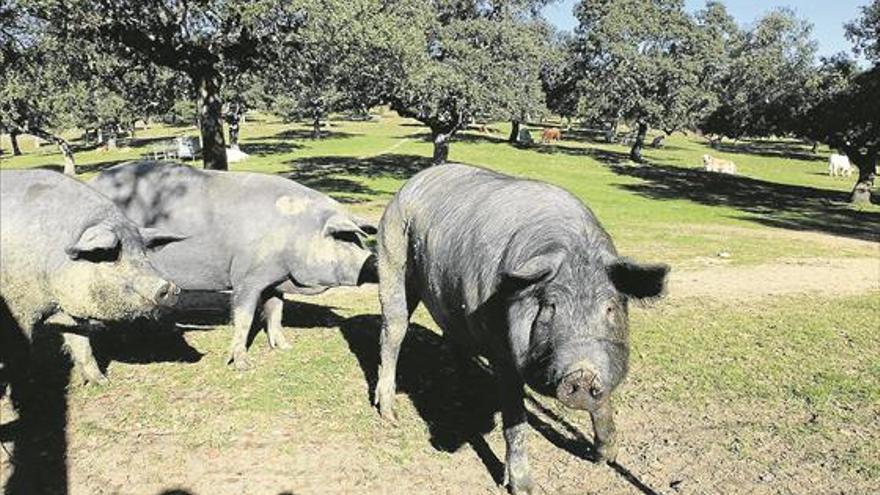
(514, 132)
(208, 81)
(635, 154)
(815, 147)
(316, 124)
(867, 164)
(131, 130)
(13, 137)
(233, 119)
(441, 146)
(111, 137)
(611, 131)
(63, 145)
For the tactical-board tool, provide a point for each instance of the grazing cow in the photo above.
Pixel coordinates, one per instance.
(838, 165)
(550, 135)
(518, 271)
(711, 164)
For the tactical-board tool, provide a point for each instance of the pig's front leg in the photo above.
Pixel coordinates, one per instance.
(605, 432)
(517, 475)
(80, 349)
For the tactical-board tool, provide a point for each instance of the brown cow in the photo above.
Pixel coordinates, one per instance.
(551, 134)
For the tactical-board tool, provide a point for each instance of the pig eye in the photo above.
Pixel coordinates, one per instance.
(350, 237)
(108, 255)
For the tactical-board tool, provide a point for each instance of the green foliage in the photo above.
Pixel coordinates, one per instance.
(467, 60)
(849, 119)
(326, 65)
(640, 61)
(865, 32)
(765, 87)
(44, 84)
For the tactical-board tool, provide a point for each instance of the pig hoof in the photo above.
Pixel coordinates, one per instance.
(94, 377)
(385, 400)
(521, 485)
(386, 408)
(387, 413)
(608, 452)
(279, 343)
(240, 362)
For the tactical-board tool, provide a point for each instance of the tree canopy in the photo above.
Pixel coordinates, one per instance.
(639, 61)
(467, 60)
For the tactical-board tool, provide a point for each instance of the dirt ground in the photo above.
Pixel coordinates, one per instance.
(666, 449)
(821, 276)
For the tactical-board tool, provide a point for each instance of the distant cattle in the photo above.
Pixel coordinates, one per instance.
(711, 164)
(839, 165)
(550, 135)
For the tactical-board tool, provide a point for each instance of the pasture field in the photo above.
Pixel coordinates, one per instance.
(759, 373)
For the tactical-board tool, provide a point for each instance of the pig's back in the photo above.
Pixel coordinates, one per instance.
(49, 210)
(463, 221)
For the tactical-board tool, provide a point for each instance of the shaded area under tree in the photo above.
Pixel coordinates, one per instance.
(785, 206)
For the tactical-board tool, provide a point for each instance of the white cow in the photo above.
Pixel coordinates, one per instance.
(711, 164)
(839, 165)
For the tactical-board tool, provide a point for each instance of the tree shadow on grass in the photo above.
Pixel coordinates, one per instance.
(265, 148)
(330, 174)
(785, 206)
(595, 136)
(471, 136)
(306, 134)
(602, 155)
(770, 149)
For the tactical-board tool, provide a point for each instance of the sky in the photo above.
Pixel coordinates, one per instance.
(827, 16)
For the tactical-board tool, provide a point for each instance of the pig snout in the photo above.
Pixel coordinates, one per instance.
(161, 292)
(166, 294)
(580, 388)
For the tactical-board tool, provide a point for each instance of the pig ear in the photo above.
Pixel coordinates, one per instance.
(154, 237)
(366, 225)
(535, 269)
(96, 239)
(638, 281)
(341, 226)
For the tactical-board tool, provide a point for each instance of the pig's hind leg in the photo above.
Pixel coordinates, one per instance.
(398, 300)
(273, 310)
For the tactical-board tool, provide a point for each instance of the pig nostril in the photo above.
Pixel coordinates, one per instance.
(166, 291)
